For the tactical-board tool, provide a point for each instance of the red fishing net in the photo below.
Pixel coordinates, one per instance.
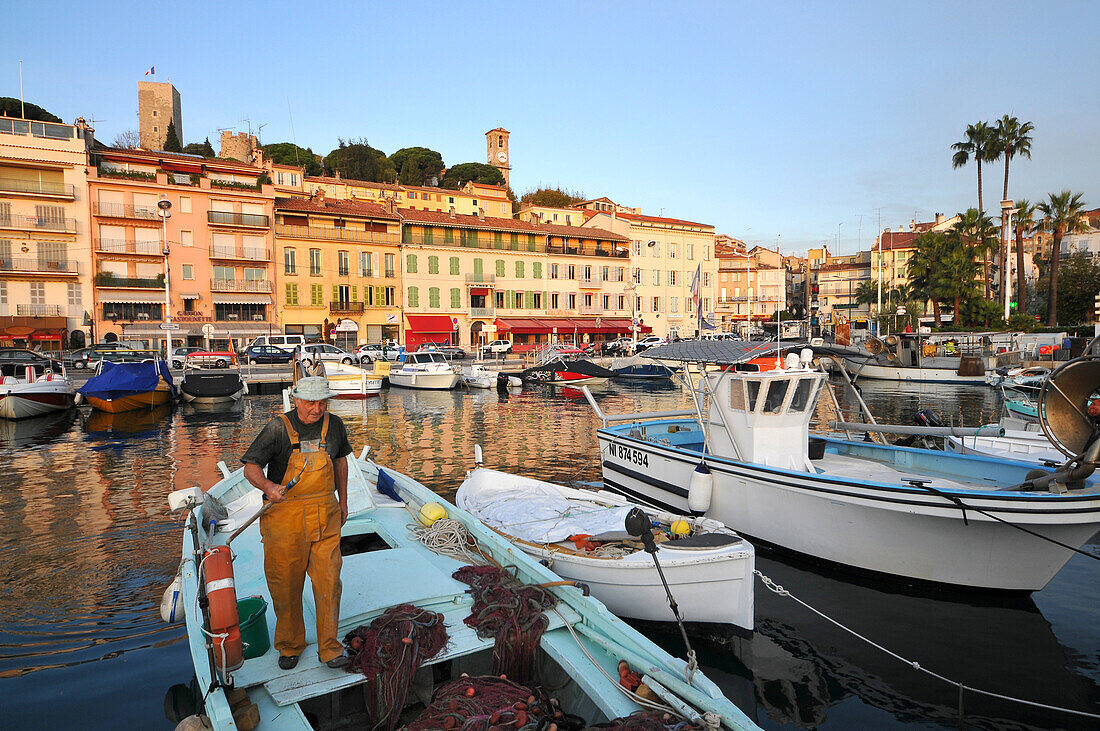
(388, 652)
(510, 612)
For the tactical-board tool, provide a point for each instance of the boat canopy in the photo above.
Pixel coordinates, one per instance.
(721, 352)
(122, 379)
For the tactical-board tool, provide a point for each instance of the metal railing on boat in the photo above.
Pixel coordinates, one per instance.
(638, 416)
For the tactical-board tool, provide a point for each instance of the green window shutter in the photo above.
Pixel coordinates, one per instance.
(317, 295)
(519, 270)
(354, 293)
(536, 269)
(410, 263)
(530, 242)
(500, 267)
(510, 299)
(528, 300)
(454, 265)
(456, 298)
(513, 242)
(406, 235)
(335, 293)
(292, 294)
(471, 239)
(479, 267)
(433, 297)
(546, 300)
(433, 265)
(448, 235)
(414, 297)
(379, 295)
(498, 240)
(429, 234)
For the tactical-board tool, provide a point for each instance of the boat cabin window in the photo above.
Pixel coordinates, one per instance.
(803, 395)
(737, 395)
(752, 389)
(777, 393)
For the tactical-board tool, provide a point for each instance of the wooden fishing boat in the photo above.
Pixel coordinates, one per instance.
(709, 569)
(386, 564)
(119, 387)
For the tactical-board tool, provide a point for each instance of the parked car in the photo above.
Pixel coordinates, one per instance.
(619, 346)
(179, 355)
(324, 351)
(375, 351)
(286, 342)
(257, 354)
(450, 351)
(650, 341)
(89, 357)
(499, 346)
(13, 361)
(200, 358)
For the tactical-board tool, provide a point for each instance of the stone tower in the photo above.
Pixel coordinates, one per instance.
(241, 146)
(496, 143)
(158, 104)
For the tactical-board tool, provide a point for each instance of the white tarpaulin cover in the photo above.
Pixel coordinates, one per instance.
(533, 511)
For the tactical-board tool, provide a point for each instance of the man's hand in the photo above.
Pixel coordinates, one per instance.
(343, 512)
(274, 492)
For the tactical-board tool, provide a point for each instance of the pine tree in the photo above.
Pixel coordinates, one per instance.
(172, 140)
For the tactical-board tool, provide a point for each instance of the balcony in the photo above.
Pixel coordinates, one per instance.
(106, 279)
(45, 130)
(246, 254)
(228, 218)
(727, 300)
(40, 311)
(325, 233)
(121, 246)
(240, 285)
(590, 309)
(34, 223)
(123, 210)
(589, 282)
(37, 189)
(347, 306)
(483, 312)
(588, 251)
(481, 280)
(38, 266)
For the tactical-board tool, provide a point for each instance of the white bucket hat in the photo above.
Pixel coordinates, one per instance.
(314, 388)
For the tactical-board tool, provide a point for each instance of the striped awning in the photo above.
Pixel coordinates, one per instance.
(189, 296)
(242, 299)
(141, 298)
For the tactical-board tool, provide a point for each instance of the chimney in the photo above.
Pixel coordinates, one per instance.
(320, 194)
(389, 205)
(451, 212)
(337, 174)
(912, 224)
(481, 213)
(939, 218)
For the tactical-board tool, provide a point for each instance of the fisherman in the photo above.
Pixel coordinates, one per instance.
(305, 454)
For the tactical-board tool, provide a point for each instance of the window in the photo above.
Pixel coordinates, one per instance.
(74, 294)
(456, 298)
(291, 293)
(498, 240)
(553, 300)
(366, 264)
(513, 242)
(656, 304)
(606, 301)
(187, 238)
(414, 297)
(517, 297)
(572, 301)
(706, 253)
(342, 263)
(571, 271)
(188, 271)
(450, 199)
(316, 295)
(802, 393)
(656, 249)
(289, 263)
(536, 270)
(391, 271)
(777, 392)
(253, 274)
(706, 279)
(636, 276)
(672, 251)
(636, 248)
(554, 271)
(154, 112)
(536, 300)
(530, 242)
(621, 303)
(315, 262)
(587, 273)
(225, 274)
(690, 251)
(500, 267)
(672, 279)
(239, 312)
(673, 304)
(519, 270)
(454, 266)
(499, 299)
(433, 265)
(433, 297)
(410, 263)
(656, 277)
(185, 204)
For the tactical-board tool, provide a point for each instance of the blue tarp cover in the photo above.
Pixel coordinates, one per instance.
(116, 380)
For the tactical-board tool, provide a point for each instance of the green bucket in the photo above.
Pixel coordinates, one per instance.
(252, 615)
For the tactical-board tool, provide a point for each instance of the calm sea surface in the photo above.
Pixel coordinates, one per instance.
(87, 547)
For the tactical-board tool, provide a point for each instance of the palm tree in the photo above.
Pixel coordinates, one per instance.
(867, 292)
(922, 267)
(978, 232)
(1025, 212)
(981, 144)
(1013, 138)
(1061, 215)
(955, 273)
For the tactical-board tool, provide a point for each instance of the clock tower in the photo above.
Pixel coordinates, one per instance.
(496, 143)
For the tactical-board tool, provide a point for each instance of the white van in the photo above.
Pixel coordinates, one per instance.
(285, 342)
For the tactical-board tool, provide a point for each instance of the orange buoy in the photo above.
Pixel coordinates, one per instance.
(217, 569)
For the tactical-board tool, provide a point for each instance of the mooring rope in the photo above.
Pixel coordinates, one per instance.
(778, 589)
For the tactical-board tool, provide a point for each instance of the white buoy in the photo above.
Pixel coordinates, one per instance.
(171, 604)
(700, 489)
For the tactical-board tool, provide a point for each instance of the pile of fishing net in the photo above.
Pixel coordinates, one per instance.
(491, 703)
(388, 652)
(510, 612)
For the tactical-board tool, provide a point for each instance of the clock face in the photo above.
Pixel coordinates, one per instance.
(502, 156)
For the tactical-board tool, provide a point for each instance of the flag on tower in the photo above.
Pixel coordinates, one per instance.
(152, 70)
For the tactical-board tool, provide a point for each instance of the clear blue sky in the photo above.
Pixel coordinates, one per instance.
(761, 118)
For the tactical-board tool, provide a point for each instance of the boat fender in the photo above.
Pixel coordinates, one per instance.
(171, 604)
(700, 489)
(680, 528)
(225, 630)
(430, 513)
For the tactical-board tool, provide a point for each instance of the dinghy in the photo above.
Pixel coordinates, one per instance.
(477, 377)
(119, 387)
(394, 566)
(221, 385)
(708, 567)
(743, 456)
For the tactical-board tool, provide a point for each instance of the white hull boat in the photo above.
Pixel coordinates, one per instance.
(710, 572)
(34, 395)
(913, 513)
(923, 374)
(428, 370)
(1032, 447)
(477, 377)
(388, 563)
(350, 381)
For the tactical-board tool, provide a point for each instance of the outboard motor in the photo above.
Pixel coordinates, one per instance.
(924, 417)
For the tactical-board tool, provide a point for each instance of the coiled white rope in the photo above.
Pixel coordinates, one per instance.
(448, 537)
(778, 589)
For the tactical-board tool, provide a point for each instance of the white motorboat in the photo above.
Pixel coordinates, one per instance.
(35, 394)
(710, 571)
(392, 566)
(743, 457)
(957, 358)
(476, 376)
(223, 385)
(351, 381)
(425, 370)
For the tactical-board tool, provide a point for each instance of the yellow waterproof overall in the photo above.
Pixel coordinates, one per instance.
(302, 535)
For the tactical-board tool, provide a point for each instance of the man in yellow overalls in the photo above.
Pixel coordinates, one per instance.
(305, 454)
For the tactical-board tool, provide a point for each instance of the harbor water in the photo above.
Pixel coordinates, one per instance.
(87, 546)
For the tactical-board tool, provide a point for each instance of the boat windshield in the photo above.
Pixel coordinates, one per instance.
(803, 395)
(777, 392)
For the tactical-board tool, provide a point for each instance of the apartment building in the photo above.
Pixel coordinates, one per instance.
(45, 260)
(838, 282)
(340, 279)
(491, 200)
(218, 268)
(752, 287)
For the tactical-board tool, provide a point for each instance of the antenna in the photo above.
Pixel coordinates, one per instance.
(293, 136)
(260, 133)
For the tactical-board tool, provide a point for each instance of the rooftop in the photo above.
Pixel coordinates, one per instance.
(334, 207)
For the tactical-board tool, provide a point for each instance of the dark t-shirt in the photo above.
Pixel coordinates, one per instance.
(271, 448)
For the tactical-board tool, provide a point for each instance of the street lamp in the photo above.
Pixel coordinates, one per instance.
(632, 287)
(1007, 207)
(164, 210)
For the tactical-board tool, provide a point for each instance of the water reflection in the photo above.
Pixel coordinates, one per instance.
(38, 431)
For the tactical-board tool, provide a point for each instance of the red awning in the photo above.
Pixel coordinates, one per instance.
(430, 323)
(524, 325)
(47, 335)
(480, 290)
